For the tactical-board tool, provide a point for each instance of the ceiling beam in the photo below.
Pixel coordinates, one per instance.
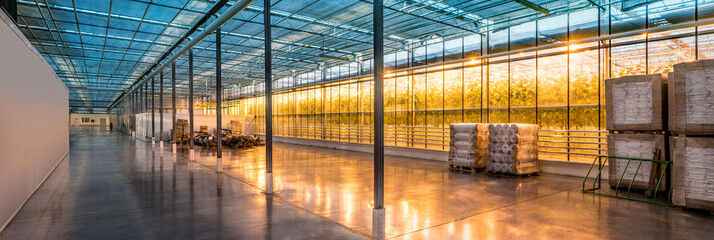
(534, 6)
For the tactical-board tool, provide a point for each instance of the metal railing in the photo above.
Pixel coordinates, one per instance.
(437, 138)
(653, 188)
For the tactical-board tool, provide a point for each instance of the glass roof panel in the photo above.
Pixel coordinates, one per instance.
(110, 44)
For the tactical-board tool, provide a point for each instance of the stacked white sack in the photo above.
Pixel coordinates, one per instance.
(632, 102)
(693, 174)
(691, 98)
(640, 146)
(513, 148)
(466, 141)
(635, 103)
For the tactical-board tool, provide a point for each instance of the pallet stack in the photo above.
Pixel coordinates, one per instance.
(691, 121)
(513, 149)
(236, 127)
(468, 146)
(181, 133)
(636, 110)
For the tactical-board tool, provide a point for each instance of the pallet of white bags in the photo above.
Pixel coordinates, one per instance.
(692, 176)
(691, 98)
(512, 148)
(637, 102)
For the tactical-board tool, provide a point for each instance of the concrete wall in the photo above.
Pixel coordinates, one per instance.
(76, 119)
(34, 112)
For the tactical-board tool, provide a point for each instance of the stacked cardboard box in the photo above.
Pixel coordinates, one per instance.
(636, 110)
(513, 148)
(468, 144)
(691, 100)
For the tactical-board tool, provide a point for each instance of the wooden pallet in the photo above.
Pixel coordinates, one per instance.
(693, 135)
(465, 168)
(502, 174)
(636, 132)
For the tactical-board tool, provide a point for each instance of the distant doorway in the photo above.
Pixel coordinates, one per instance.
(103, 122)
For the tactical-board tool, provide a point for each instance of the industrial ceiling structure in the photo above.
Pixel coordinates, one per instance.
(101, 49)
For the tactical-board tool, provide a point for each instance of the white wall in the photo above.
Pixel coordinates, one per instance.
(34, 113)
(76, 119)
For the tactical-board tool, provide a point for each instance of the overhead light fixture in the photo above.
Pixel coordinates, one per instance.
(334, 58)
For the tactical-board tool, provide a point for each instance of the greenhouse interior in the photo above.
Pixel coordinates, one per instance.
(357, 119)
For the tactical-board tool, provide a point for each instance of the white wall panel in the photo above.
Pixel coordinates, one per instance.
(34, 117)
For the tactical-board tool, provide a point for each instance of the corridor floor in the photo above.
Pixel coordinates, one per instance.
(114, 187)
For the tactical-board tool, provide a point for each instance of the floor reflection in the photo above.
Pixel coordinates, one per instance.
(425, 200)
(114, 187)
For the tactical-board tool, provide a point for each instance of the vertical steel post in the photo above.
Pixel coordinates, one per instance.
(153, 111)
(378, 211)
(161, 112)
(219, 130)
(190, 103)
(268, 99)
(173, 105)
(146, 97)
(132, 102)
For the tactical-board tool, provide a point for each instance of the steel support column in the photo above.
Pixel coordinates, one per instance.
(378, 211)
(131, 121)
(161, 112)
(173, 106)
(268, 99)
(190, 103)
(146, 97)
(219, 130)
(153, 111)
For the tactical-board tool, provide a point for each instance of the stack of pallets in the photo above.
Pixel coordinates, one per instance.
(636, 113)
(513, 149)
(691, 121)
(468, 146)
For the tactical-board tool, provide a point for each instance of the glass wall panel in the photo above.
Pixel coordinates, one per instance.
(472, 46)
(419, 56)
(628, 16)
(498, 91)
(435, 53)
(523, 36)
(419, 91)
(663, 54)
(523, 90)
(402, 59)
(498, 41)
(553, 30)
(584, 111)
(553, 103)
(453, 87)
(403, 107)
(583, 24)
(472, 92)
(628, 59)
(390, 60)
(453, 49)
(705, 9)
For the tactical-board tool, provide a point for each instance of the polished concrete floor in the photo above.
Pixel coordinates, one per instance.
(113, 187)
